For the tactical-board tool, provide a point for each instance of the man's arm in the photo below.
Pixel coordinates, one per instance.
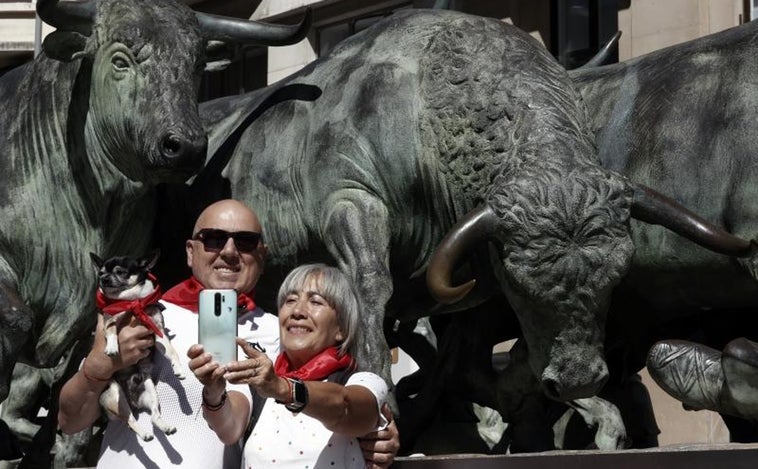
(380, 448)
(79, 404)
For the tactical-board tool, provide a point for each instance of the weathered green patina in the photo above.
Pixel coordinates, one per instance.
(89, 127)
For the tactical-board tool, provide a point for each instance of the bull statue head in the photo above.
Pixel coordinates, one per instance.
(146, 63)
(108, 110)
(564, 242)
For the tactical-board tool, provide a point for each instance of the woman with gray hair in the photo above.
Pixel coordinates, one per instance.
(320, 404)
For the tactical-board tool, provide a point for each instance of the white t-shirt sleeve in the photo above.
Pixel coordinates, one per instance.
(378, 388)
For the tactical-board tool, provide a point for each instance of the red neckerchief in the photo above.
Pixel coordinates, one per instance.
(187, 293)
(113, 307)
(317, 368)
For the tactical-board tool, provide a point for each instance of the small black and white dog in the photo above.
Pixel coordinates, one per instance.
(127, 290)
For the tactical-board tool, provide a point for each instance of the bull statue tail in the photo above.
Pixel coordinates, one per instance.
(470, 229)
(655, 208)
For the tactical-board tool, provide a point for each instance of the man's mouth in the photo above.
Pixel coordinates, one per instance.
(226, 269)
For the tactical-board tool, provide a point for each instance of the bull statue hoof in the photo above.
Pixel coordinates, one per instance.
(704, 378)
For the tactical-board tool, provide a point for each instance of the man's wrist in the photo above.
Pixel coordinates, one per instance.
(93, 376)
(213, 403)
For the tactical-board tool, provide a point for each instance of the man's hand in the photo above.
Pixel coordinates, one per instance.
(208, 371)
(380, 448)
(134, 342)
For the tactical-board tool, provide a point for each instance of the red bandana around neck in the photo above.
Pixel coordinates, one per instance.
(137, 307)
(317, 368)
(187, 293)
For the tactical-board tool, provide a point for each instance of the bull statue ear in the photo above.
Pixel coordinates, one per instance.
(65, 45)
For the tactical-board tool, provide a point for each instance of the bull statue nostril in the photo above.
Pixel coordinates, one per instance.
(172, 146)
(190, 151)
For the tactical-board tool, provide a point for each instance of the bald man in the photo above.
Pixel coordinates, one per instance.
(225, 251)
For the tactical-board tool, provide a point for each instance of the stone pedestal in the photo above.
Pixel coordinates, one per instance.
(732, 456)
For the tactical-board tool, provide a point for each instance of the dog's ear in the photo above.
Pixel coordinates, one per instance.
(96, 260)
(149, 261)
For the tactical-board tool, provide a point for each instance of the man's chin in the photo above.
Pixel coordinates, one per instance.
(224, 283)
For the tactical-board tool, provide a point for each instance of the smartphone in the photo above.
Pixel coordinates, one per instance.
(217, 327)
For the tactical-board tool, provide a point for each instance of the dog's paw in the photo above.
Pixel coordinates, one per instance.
(179, 374)
(147, 436)
(170, 430)
(111, 346)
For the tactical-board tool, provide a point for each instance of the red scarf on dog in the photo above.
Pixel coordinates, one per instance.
(187, 293)
(317, 368)
(137, 307)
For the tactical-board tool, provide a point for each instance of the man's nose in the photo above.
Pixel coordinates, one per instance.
(229, 248)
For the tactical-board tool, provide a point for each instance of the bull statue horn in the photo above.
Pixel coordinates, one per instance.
(462, 237)
(253, 32)
(68, 16)
(603, 54)
(653, 207)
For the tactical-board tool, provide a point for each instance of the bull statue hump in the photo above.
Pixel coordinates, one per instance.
(472, 138)
(396, 148)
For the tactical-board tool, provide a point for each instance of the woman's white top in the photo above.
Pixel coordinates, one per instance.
(282, 439)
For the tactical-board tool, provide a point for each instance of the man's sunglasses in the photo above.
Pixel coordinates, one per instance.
(214, 239)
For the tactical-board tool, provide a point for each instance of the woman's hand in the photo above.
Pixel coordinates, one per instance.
(257, 371)
(209, 372)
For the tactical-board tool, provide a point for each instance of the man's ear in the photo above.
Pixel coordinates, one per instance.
(65, 45)
(189, 250)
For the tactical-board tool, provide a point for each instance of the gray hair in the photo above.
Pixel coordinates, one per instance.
(336, 289)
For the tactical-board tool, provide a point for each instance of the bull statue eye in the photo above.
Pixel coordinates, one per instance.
(119, 63)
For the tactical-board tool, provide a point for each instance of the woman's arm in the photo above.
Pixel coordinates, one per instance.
(79, 400)
(227, 421)
(351, 410)
(226, 413)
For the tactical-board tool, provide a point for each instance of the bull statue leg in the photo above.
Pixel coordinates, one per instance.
(16, 323)
(704, 378)
(356, 232)
(27, 392)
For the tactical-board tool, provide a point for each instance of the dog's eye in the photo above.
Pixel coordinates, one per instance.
(119, 271)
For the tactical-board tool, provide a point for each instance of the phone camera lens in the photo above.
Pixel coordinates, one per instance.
(217, 304)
